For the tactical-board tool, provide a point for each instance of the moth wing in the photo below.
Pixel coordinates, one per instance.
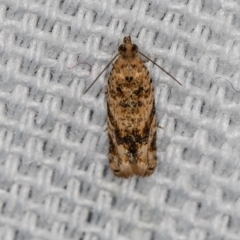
(118, 158)
(147, 155)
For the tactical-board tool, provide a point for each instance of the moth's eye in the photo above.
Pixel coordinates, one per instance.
(122, 48)
(134, 48)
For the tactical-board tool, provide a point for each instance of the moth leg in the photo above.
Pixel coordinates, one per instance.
(159, 126)
(105, 127)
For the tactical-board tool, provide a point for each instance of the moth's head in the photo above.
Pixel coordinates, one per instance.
(127, 49)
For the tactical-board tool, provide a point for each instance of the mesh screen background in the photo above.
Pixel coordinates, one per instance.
(55, 182)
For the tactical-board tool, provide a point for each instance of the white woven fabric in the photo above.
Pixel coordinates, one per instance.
(55, 182)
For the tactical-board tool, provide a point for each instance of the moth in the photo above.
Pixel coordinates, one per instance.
(131, 119)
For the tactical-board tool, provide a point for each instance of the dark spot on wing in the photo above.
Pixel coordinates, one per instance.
(129, 79)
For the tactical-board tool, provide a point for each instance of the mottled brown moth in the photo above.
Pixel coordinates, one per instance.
(131, 114)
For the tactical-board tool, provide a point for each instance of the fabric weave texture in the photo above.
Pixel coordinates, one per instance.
(55, 182)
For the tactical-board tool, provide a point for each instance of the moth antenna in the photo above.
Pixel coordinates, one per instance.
(161, 68)
(100, 74)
